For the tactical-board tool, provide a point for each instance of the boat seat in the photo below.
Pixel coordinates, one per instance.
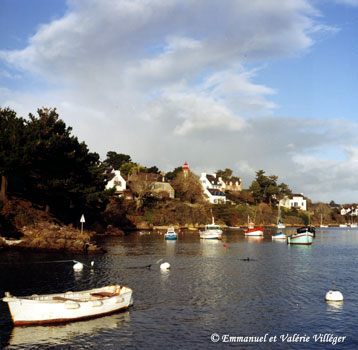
(104, 294)
(65, 299)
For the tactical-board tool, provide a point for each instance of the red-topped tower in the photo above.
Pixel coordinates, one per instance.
(186, 168)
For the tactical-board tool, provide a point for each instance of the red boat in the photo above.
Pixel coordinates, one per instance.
(252, 230)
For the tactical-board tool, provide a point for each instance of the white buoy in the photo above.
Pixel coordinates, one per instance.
(92, 263)
(334, 295)
(165, 266)
(78, 266)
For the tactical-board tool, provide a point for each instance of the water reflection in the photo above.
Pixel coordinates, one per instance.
(253, 239)
(60, 334)
(334, 306)
(210, 247)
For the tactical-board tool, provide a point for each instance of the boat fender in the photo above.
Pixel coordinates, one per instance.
(334, 295)
(95, 303)
(118, 300)
(71, 305)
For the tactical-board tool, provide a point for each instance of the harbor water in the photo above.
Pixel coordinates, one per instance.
(246, 293)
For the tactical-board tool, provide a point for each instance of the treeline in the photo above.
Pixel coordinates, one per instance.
(40, 160)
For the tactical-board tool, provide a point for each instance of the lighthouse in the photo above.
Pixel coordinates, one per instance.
(186, 169)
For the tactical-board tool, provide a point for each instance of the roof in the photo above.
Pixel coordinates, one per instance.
(150, 177)
(212, 179)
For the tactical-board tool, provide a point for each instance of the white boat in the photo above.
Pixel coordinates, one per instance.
(211, 231)
(353, 225)
(171, 234)
(279, 235)
(303, 236)
(322, 225)
(280, 224)
(252, 230)
(68, 306)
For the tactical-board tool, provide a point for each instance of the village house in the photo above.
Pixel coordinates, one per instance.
(296, 201)
(155, 183)
(212, 188)
(349, 211)
(116, 180)
(230, 185)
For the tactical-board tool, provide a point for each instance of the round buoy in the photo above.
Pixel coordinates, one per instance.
(224, 245)
(78, 266)
(165, 266)
(334, 295)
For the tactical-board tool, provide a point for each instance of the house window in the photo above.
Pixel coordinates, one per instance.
(163, 187)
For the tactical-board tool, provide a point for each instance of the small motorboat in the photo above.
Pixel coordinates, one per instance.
(279, 235)
(211, 231)
(68, 306)
(303, 236)
(252, 230)
(171, 234)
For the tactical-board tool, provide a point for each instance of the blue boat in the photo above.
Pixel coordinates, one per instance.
(279, 235)
(171, 234)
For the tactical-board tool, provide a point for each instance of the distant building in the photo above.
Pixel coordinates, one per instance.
(230, 185)
(155, 183)
(350, 211)
(116, 180)
(212, 188)
(186, 169)
(296, 201)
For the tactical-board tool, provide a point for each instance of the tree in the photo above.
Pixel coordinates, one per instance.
(188, 187)
(116, 160)
(265, 189)
(172, 174)
(63, 173)
(12, 153)
(153, 169)
(224, 174)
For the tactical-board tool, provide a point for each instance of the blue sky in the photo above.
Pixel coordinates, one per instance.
(252, 85)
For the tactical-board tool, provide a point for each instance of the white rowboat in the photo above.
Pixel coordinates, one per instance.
(69, 306)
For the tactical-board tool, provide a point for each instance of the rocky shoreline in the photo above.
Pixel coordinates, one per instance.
(50, 237)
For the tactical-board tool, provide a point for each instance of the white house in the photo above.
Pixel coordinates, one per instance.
(212, 188)
(351, 211)
(116, 181)
(296, 201)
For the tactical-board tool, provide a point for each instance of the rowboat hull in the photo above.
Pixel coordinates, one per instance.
(304, 238)
(256, 231)
(69, 306)
(279, 235)
(171, 237)
(210, 235)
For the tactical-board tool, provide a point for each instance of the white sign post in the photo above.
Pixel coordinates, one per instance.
(82, 221)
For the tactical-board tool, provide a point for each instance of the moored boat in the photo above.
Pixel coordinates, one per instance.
(322, 225)
(279, 235)
(171, 234)
(68, 306)
(211, 231)
(252, 230)
(280, 224)
(303, 236)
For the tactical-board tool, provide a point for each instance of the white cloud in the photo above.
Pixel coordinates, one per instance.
(167, 81)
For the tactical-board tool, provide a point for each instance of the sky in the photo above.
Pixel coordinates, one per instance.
(247, 85)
